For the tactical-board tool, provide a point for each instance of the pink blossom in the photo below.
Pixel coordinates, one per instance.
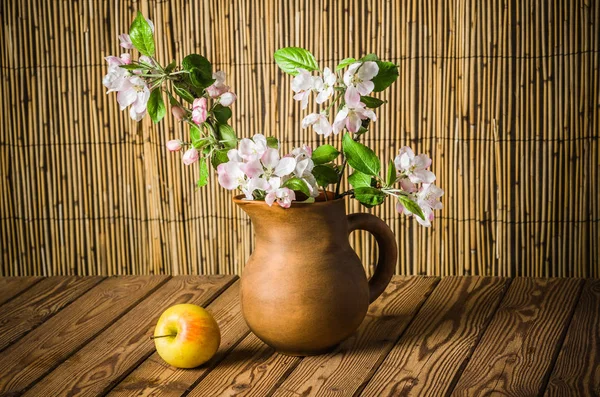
(254, 184)
(134, 92)
(324, 85)
(190, 156)
(302, 85)
(230, 175)
(352, 118)
(174, 145)
(283, 196)
(428, 200)
(116, 75)
(358, 80)
(227, 99)
(199, 110)
(319, 122)
(274, 166)
(125, 41)
(218, 88)
(178, 112)
(253, 149)
(415, 167)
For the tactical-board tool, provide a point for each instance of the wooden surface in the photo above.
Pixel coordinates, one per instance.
(503, 95)
(458, 336)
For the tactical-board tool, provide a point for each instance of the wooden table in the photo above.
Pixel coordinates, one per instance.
(456, 336)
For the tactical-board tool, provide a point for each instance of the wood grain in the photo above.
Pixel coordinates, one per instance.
(577, 370)
(251, 369)
(39, 303)
(12, 286)
(48, 345)
(523, 339)
(441, 338)
(343, 371)
(155, 377)
(114, 353)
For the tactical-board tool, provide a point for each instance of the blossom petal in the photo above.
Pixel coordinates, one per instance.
(368, 70)
(285, 167)
(352, 97)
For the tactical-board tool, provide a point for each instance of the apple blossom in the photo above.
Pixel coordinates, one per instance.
(320, 123)
(352, 118)
(178, 112)
(116, 75)
(274, 166)
(414, 166)
(230, 175)
(324, 85)
(255, 184)
(227, 99)
(358, 80)
(283, 196)
(219, 87)
(428, 200)
(134, 92)
(302, 85)
(253, 149)
(125, 41)
(174, 145)
(190, 156)
(199, 110)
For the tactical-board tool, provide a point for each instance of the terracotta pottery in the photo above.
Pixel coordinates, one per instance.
(304, 289)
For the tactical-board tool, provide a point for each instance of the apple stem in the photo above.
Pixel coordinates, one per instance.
(162, 336)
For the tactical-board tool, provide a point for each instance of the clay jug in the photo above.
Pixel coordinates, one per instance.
(303, 289)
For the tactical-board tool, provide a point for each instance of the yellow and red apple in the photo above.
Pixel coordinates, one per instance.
(186, 336)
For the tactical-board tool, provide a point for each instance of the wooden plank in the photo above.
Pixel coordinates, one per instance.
(12, 286)
(345, 370)
(577, 370)
(48, 345)
(521, 343)
(441, 338)
(113, 354)
(39, 303)
(155, 377)
(251, 369)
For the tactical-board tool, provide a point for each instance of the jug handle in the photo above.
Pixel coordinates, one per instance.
(388, 250)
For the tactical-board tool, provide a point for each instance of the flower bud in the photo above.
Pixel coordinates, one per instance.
(178, 112)
(174, 145)
(227, 99)
(190, 156)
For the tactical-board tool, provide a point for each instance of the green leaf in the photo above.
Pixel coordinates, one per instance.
(196, 137)
(203, 177)
(289, 59)
(200, 70)
(388, 73)
(156, 105)
(371, 102)
(360, 157)
(184, 94)
(132, 66)
(358, 179)
(222, 113)
(391, 173)
(297, 185)
(369, 58)
(368, 196)
(325, 175)
(411, 206)
(170, 67)
(227, 136)
(272, 142)
(324, 154)
(345, 62)
(219, 157)
(172, 100)
(141, 35)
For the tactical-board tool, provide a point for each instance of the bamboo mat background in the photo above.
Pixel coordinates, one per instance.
(504, 96)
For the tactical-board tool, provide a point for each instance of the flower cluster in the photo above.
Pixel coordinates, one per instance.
(200, 97)
(356, 83)
(416, 181)
(259, 172)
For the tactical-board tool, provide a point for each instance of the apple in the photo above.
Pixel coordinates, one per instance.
(186, 336)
